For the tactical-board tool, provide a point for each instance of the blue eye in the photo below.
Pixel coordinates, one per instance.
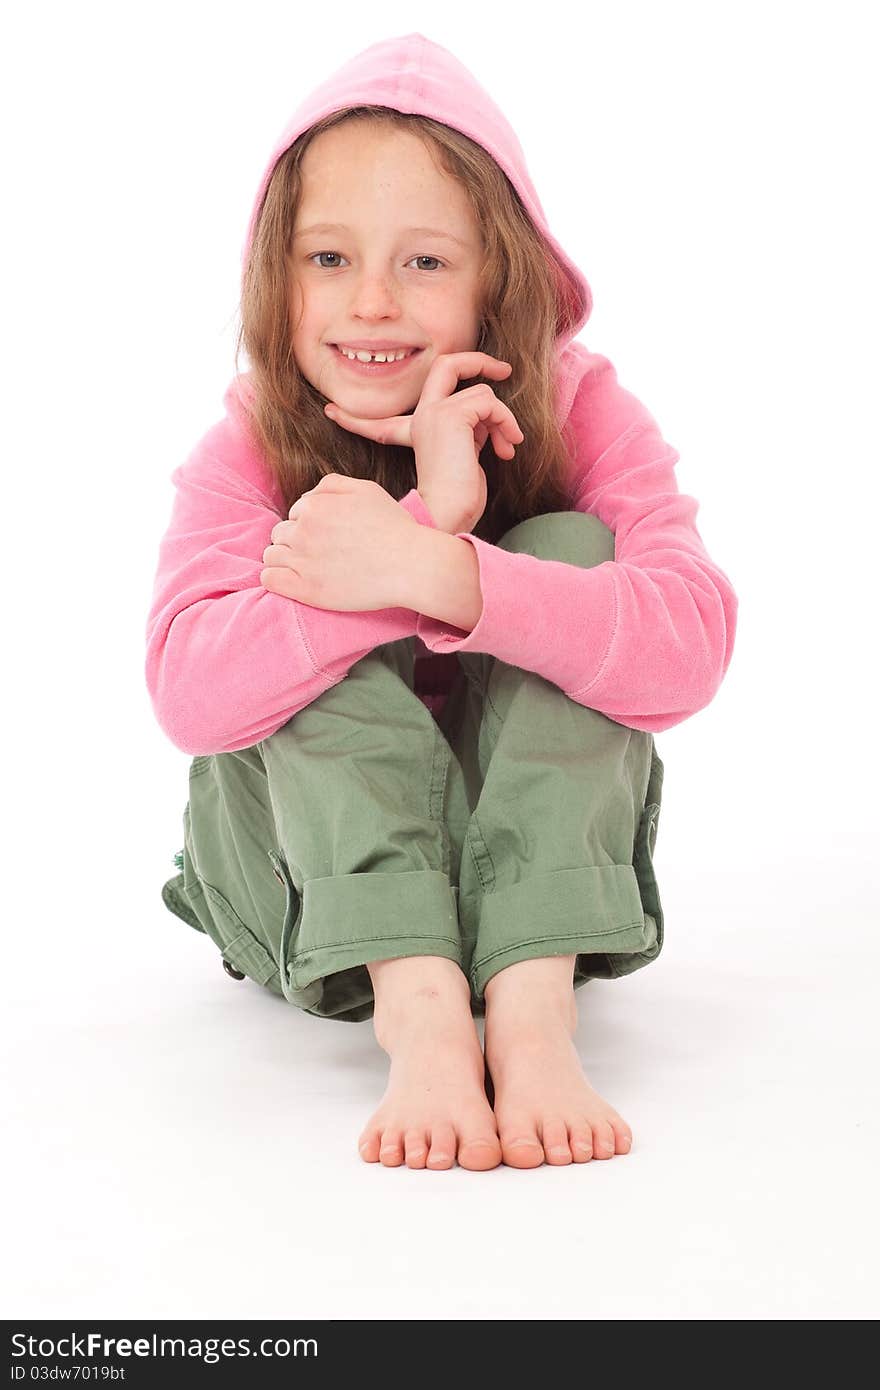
(336, 253)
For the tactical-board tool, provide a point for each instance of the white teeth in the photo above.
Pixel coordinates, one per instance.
(363, 356)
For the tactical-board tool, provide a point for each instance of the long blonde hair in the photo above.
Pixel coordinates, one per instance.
(525, 302)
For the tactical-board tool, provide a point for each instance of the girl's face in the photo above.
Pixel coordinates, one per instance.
(398, 266)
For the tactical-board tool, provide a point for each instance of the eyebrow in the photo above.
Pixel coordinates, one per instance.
(340, 227)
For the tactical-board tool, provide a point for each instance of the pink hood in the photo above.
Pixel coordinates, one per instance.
(415, 75)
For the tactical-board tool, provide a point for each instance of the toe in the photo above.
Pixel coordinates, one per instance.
(443, 1145)
(622, 1135)
(368, 1146)
(416, 1148)
(479, 1151)
(391, 1149)
(554, 1133)
(603, 1139)
(580, 1141)
(520, 1145)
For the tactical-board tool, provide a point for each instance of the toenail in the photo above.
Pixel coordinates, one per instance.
(517, 1143)
(440, 1158)
(625, 1142)
(608, 1144)
(559, 1149)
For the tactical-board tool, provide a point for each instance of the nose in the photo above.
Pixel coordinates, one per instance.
(376, 296)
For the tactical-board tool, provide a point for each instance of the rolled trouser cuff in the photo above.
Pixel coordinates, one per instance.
(567, 912)
(350, 919)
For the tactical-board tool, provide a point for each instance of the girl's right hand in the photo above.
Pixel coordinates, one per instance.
(447, 430)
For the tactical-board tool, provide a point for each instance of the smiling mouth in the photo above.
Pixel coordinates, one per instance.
(373, 370)
(370, 365)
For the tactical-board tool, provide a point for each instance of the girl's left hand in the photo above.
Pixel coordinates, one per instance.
(347, 545)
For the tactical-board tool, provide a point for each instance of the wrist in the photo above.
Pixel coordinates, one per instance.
(446, 516)
(444, 580)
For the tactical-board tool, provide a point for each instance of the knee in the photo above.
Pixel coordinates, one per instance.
(577, 538)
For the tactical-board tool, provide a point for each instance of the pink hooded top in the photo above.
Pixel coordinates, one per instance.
(645, 638)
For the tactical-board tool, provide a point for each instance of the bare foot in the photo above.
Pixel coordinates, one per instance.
(435, 1108)
(545, 1108)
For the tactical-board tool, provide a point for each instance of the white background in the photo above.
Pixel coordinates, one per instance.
(182, 1145)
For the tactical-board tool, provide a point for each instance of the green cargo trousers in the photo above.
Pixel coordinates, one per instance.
(514, 825)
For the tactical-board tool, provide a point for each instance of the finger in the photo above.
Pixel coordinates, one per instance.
(514, 433)
(280, 556)
(280, 581)
(503, 447)
(505, 439)
(451, 367)
(336, 482)
(489, 411)
(497, 411)
(505, 421)
(393, 429)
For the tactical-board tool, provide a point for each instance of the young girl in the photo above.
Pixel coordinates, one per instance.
(418, 634)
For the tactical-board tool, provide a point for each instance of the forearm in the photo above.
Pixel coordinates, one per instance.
(443, 580)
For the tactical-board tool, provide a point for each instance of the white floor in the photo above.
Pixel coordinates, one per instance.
(187, 1147)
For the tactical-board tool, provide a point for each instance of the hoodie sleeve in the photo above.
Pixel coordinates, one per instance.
(227, 661)
(645, 638)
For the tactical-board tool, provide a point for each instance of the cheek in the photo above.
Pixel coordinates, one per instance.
(296, 308)
(459, 325)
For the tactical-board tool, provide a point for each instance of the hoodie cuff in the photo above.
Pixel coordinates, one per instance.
(533, 616)
(415, 505)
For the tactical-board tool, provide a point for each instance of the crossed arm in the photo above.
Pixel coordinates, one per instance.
(443, 581)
